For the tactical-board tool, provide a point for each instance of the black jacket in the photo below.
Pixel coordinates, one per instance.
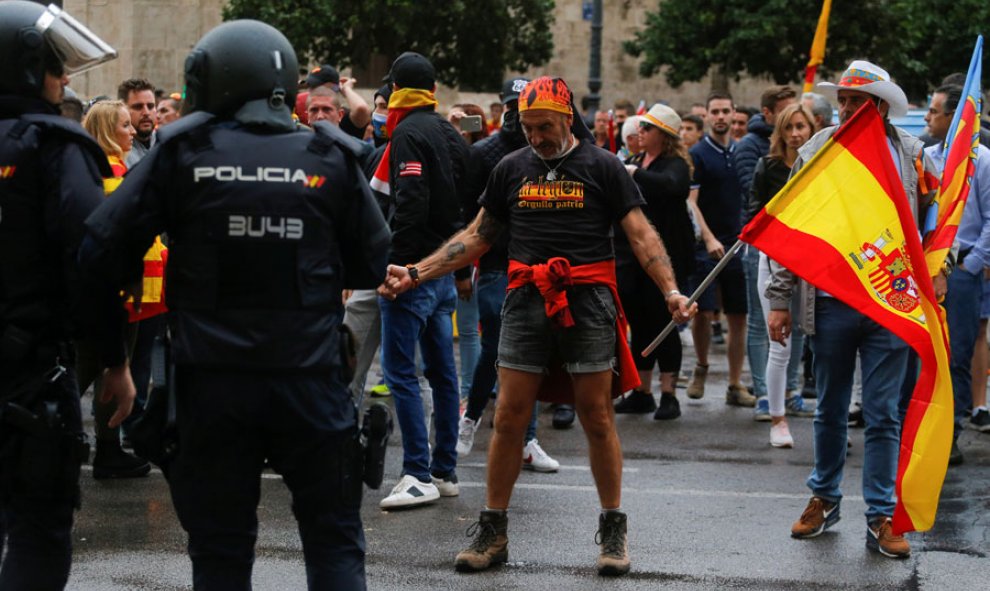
(768, 178)
(753, 146)
(665, 185)
(428, 165)
(50, 181)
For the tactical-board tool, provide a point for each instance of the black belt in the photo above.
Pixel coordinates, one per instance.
(962, 256)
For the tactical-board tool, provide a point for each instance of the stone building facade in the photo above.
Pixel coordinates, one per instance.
(153, 38)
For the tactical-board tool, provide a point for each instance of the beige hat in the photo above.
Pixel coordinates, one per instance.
(865, 77)
(665, 118)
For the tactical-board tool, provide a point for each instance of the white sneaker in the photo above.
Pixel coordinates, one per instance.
(780, 435)
(465, 435)
(534, 458)
(447, 486)
(410, 492)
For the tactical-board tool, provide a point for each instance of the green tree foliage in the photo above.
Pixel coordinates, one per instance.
(471, 43)
(936, 38)
(917, 41)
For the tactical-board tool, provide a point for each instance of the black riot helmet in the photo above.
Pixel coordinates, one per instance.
(244, 69)
(35, 40)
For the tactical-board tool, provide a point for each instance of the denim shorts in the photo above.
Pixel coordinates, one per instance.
(531, 342)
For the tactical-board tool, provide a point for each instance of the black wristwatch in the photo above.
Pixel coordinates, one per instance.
(413, 274)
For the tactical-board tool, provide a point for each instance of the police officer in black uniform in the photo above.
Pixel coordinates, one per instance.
(267, 224)
(50, 181)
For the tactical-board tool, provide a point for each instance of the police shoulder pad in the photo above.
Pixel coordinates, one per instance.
(68, 130)
(326, 135)
(183, 126)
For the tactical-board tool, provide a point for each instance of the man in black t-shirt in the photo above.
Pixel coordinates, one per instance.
(558, 199)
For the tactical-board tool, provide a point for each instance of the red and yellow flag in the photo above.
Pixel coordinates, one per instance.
(960, 146)
(843, 224)
(817, 47)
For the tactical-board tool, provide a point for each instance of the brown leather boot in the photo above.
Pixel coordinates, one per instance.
(614, 558)
(490, 545)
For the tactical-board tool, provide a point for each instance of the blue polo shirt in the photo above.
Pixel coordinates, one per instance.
(719, 195)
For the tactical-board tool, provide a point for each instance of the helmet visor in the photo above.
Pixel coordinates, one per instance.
(74, 44)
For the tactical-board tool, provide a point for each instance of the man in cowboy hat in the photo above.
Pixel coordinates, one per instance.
(838, 333)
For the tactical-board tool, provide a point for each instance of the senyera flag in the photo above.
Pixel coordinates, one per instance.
(942, 221)
(843, 223)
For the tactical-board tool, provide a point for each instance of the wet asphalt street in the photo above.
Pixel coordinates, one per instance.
(710, 505)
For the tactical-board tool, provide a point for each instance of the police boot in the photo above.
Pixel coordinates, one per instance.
(111, 461)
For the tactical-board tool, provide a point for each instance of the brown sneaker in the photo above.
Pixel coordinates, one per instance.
(696, 388)
(880, 538)
(818, 516)
(614, 558)
(738, 395)
(490, 545)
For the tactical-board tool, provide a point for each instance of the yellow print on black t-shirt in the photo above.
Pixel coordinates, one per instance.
(543, 194)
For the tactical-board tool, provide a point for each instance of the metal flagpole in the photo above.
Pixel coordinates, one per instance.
(697, 293)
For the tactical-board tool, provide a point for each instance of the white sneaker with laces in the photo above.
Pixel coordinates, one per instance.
(447, 487)
(534, 458)
(410, 492)
(780, 435)
(466, 429)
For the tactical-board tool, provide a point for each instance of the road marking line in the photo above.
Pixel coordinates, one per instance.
(678, 492)
(562, 467)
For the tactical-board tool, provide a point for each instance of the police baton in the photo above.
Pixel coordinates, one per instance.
(697, 293)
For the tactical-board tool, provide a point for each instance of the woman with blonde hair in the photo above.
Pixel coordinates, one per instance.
(794, 126)
(110, 125)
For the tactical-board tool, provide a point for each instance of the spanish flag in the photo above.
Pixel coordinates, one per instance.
(817, 47)
(944, 216)
(843, 224)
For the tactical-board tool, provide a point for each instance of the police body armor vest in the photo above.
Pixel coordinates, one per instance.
(255, 273)
(33, 295)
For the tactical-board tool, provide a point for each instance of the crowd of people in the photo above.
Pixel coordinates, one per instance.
(561, 244)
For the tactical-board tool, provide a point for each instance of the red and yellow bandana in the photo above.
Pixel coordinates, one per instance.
(546, 93)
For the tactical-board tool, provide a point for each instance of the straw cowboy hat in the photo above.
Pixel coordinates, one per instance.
(865, 77)
(663, 117)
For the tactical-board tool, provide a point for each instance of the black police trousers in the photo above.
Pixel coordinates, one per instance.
(303, 424)
(37, 524)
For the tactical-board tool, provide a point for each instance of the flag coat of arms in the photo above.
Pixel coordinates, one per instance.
(844, 224)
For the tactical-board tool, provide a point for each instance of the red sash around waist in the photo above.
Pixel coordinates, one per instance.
(552, 280)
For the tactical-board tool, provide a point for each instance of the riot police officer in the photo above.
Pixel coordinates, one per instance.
(50, 181)
(267, 224)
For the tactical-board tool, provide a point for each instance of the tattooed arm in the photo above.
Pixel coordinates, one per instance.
(462, 248)
(649, 250)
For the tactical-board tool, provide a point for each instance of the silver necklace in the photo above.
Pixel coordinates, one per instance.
(552, 172)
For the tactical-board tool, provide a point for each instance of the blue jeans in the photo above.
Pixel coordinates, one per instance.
(962, 311)
(423, 315)
(490, 293)
(467, 339)
(757, 341)
(840, 332)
